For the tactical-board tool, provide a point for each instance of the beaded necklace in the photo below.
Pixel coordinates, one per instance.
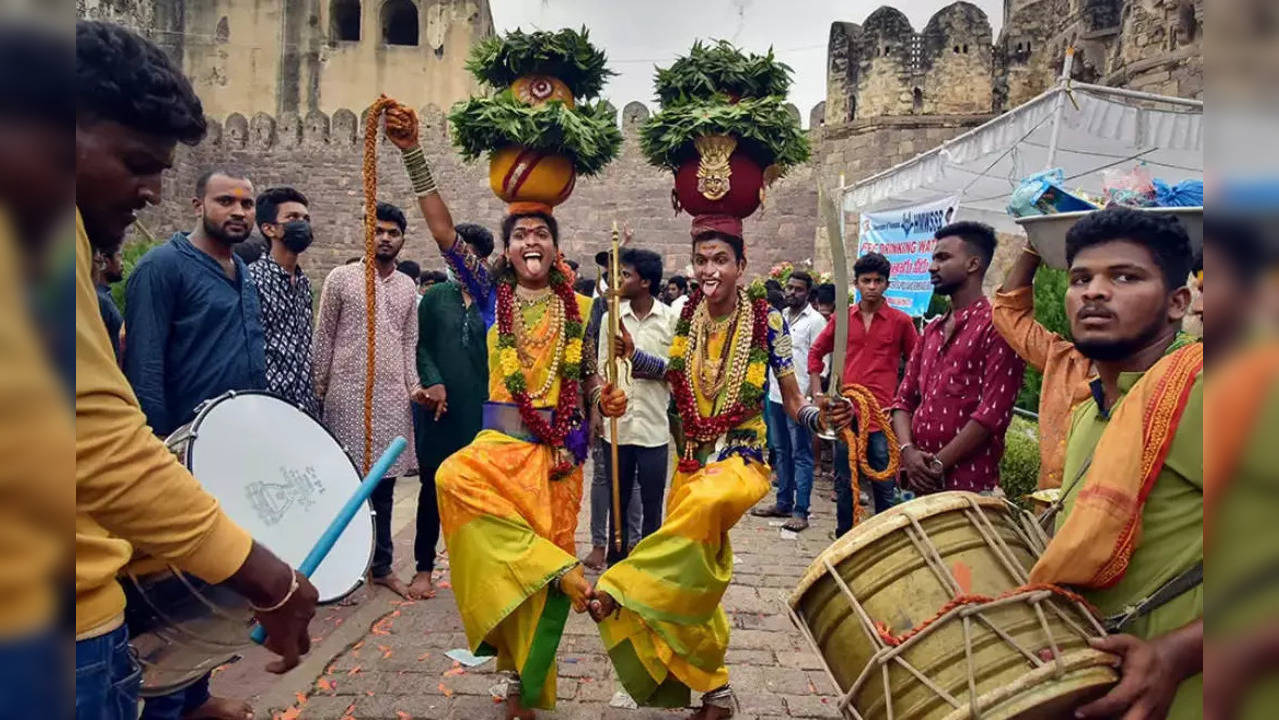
(745, 379)
(566, 363)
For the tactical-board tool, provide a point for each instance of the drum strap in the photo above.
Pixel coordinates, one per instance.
(1167, 592)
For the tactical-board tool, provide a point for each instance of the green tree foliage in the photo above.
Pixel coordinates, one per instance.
(131, 253)
(1019, 468)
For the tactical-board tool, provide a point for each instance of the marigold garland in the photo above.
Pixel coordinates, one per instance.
(697, 427)
(549, 433)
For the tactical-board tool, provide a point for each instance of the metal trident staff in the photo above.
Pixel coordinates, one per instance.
(611, 373)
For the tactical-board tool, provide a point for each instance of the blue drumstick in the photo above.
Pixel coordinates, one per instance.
(344, 517)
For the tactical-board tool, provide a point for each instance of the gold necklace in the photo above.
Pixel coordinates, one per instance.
(710, 373)
(555, 331)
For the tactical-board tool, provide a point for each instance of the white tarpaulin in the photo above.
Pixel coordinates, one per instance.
(1102, 128)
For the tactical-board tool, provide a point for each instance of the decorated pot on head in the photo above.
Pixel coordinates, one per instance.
(723, 131)
(538, 136)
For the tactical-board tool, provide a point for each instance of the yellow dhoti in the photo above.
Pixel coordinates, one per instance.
(670, 634)
(509, 531)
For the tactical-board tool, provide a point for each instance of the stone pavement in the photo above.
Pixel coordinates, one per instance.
(385, 658)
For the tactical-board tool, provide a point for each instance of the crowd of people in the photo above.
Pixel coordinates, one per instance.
(496, 368)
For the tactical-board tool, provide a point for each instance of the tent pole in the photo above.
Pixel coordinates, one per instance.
(1063, 87)
(1138, 95)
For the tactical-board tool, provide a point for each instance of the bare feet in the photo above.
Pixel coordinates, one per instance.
(601, 605)
(421, 587)
(516, 711)
(216, 708)
(595, 560)
(395, 585)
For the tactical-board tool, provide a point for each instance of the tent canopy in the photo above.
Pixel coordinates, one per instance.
(1100, 128)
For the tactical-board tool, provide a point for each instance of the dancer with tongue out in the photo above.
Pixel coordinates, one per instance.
(509, 500)
(659, 610)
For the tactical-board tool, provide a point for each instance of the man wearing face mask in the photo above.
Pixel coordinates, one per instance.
(285, 294)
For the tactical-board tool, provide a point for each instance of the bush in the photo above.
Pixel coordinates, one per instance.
(1019, 468)
(131, 253)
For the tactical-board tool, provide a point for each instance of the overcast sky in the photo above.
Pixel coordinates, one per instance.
(639, 35)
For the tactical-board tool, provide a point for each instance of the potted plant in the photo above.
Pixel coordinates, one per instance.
(723, 130)
(536, 130)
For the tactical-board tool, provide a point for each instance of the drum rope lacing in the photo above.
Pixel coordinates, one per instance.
(869, 412)
(370, 270)
(893, 640)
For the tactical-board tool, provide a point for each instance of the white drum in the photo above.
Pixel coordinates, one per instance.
(283, 477)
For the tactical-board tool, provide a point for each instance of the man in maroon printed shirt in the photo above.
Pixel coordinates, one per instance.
(956, 398)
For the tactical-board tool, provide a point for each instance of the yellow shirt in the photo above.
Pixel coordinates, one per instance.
(35, 442)
(131, 492)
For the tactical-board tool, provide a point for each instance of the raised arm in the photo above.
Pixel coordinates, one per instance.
(1013, 313)
(402, 131)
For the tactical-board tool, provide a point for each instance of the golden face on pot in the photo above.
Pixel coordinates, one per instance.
(539, 89)
(713, 172)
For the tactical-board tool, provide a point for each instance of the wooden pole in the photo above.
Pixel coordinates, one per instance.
(614, 320)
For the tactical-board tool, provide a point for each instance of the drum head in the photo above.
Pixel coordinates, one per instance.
(280, 475)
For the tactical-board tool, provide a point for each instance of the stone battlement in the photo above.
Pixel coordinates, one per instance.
(264, 132)
(884, 67)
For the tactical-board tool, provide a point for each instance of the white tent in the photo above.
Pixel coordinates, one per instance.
(1083, 129)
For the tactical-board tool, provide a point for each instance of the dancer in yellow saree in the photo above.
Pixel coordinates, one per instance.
(659, 610)
(509, 500)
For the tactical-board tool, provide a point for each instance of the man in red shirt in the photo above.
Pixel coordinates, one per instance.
(956, 399)
(880, 337)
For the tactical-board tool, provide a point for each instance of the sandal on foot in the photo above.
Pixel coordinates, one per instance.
(769, 512)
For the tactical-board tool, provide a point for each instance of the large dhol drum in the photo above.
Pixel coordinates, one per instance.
(923, 612)
(280, 475)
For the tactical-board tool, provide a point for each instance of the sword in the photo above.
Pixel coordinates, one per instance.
(835, 234)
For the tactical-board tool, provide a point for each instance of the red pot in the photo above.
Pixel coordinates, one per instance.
(745, 179)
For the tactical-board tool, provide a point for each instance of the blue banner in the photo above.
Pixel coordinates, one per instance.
(905, 237)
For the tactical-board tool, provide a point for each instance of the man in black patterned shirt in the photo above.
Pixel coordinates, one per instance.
(285, 295)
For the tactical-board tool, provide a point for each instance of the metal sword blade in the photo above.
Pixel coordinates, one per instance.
(839, 271)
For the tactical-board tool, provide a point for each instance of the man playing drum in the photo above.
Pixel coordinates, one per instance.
(666, 639)
(133, 106)
(1130, 535)
(509, 499)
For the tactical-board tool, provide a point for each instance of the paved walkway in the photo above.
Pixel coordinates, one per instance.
(384, 658)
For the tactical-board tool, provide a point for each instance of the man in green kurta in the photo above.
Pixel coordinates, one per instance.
(1130, 535)
(452, 365)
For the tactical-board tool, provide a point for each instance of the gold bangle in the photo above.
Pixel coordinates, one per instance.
(1028, 248)
(293, 587)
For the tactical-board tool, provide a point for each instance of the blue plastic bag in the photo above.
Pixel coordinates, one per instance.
(1187, 193)
(1042, 194)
